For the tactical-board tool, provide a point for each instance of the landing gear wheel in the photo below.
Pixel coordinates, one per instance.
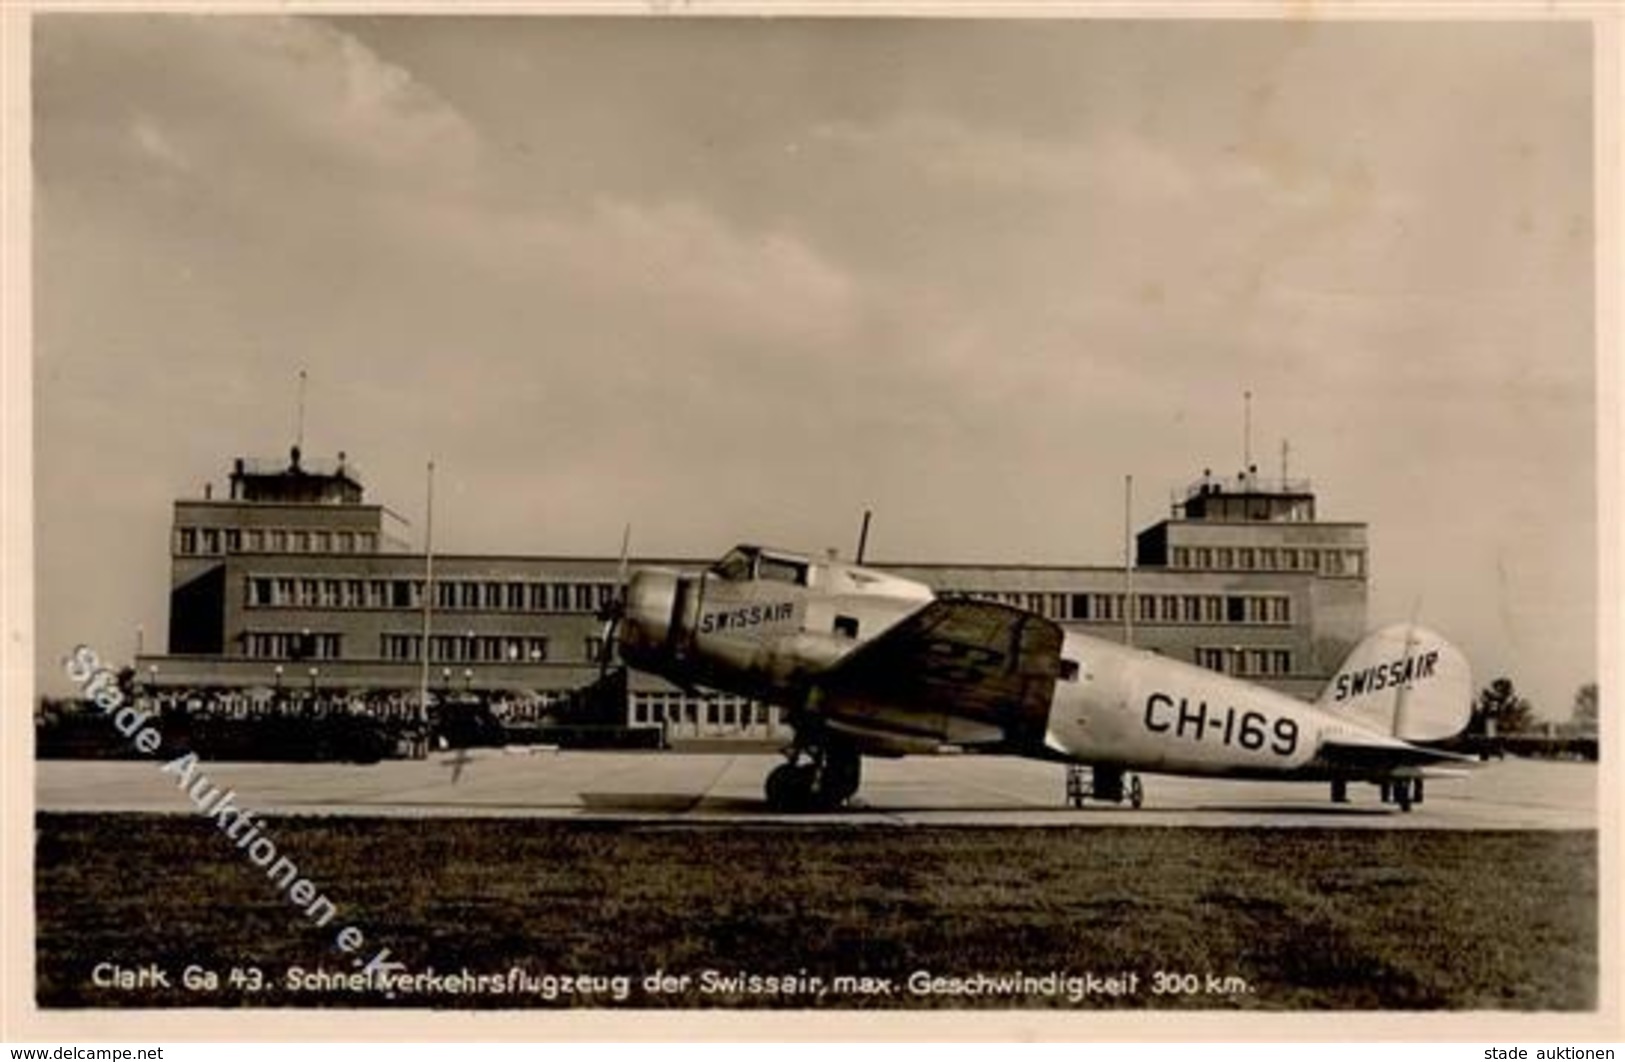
(839, 779)
(790, 787)
(817, 778)
(1136, 791)
(1402, 794)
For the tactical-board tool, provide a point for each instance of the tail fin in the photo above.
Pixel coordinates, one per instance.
(1405, 681)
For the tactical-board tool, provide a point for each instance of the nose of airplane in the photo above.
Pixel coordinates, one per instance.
(651, 597)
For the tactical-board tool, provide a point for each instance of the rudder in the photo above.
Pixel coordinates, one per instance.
(1406, 681)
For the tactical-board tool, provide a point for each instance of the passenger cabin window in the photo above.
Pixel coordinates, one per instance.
(1069, 670)
(846, 626)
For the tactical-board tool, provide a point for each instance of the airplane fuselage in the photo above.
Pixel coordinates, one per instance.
(868, 664)
(1138, 710)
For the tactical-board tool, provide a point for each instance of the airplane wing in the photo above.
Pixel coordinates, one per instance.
(958, 671)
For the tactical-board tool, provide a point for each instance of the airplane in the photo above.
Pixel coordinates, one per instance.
(867, 663)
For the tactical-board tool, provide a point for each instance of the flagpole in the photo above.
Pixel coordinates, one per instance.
(428, 602)
(1128, 560)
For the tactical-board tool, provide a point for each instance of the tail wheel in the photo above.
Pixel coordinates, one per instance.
(1136, 791)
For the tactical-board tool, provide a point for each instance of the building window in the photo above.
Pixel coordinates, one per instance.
(321, 542)
(1204, 557)
(402, 646)
(536, 650)
(1080, 606)
(561, 597)
(513, 597)
(536, 597)
(259, 592)
(1224, 558)
(210, 541)
(583, 597)
(377, 594)
(1267, 559)
(329, 593)
(1212, 659)
(299, 542)
(594, 647)
(278, 540)
(445, 594)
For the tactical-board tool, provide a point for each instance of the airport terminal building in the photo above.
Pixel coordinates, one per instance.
(291, 586)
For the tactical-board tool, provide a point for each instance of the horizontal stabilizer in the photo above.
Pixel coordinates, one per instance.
(1380, 755)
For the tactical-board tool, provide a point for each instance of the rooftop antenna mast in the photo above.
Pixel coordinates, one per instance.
(1286, 449)
(1247, 433)
(299, 432)
(863, 535)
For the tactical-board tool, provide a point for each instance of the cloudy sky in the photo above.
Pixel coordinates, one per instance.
(742, 279)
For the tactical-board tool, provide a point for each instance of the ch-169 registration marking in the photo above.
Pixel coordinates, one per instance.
(1248, 730)
(736, 619)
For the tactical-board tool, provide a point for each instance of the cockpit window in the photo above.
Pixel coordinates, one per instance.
(736, 566)
(775, 570)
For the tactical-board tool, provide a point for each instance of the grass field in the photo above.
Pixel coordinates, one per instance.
(1281, 919)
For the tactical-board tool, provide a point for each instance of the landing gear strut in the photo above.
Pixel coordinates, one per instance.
(1402, 791)
(815, 778)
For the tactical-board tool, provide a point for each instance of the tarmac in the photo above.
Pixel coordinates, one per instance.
(649, 787)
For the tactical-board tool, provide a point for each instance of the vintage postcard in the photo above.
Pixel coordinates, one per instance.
(1067, 523)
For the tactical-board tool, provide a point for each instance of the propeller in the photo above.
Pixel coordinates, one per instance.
(614, 609)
